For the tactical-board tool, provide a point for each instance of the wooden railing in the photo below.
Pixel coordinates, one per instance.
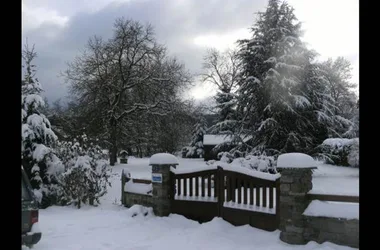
(329, 197)
(143, 181)
(248, 190)
(197, 184)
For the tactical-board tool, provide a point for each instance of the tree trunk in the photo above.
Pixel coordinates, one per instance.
(113, 150)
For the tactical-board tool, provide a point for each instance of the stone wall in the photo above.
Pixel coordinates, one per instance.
(131, 199)
(297, 228)
(339, 231)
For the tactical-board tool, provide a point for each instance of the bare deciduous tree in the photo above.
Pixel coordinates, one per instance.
(128, 73)
(222, 70)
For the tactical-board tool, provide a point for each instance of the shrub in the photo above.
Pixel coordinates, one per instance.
(340, 151)
(86, 174)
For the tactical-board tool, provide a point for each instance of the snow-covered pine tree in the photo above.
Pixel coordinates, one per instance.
(273, 65)
(38, 159)
(200, 128)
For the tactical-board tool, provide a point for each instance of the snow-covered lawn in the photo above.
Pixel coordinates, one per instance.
(329, 179)
(113, 227)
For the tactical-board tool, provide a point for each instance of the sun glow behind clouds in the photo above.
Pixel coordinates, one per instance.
(330, 27)
(221, 41)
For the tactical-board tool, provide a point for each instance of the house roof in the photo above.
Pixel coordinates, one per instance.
(218, 139)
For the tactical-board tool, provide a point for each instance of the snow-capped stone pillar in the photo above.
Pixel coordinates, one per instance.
(295, 183)
(161, 183)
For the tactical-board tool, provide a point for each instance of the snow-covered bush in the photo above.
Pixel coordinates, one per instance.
(86, 175)
(340, 151)
(254, 162)
(225, 157)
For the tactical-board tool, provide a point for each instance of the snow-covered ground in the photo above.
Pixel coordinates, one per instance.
(329, 179)
(113, 227)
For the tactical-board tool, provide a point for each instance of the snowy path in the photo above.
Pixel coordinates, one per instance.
(113, 227)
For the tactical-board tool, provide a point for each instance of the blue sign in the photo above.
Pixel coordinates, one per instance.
(157, 178)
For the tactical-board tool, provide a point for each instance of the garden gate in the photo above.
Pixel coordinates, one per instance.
(239, 196)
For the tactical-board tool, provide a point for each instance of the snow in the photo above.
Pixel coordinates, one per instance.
(218, 139)
(253, 173)
(138, 188)
(333, 209)
(248, 207)
(40, 151)
(163, 158)
(192, 170)
(335, 180)
(35, 228)
(35, 168)
(295, 160)
(111, 226)
(337, 142)
(35, 100)
(123, 152)
(37, 194)
(228, 167)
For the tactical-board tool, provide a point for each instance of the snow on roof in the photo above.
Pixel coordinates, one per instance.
(295, 160)
(123, 152)
(163, 158)
(218, 139)
(332, 209)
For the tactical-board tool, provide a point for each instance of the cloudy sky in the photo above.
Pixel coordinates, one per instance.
(60, 29)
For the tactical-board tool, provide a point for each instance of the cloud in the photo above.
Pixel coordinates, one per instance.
(34, 17)
(60, 29)
(60, 35)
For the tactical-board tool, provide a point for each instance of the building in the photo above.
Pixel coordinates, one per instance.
(210, 141)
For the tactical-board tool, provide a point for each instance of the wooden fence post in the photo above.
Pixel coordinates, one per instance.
(220, 189)
(122, 187)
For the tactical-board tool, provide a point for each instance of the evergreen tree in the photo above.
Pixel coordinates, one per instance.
(273, 67)
(38, 159)
(196, 144)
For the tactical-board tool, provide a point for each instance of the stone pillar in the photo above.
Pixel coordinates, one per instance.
(162, 185)
(125, 177)
(295, 183)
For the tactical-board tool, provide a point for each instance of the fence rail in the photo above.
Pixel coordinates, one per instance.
(330, 197)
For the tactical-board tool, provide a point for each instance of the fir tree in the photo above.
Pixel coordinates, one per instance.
(196, 144)
(274, 62)
(38, 159)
